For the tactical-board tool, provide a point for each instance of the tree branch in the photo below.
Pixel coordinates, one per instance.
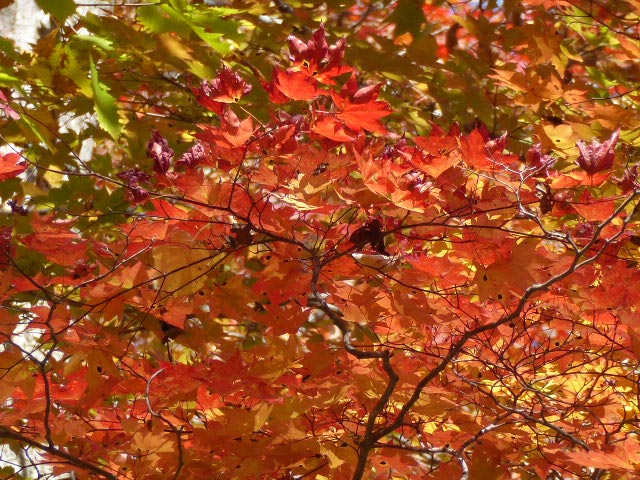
(84, 464)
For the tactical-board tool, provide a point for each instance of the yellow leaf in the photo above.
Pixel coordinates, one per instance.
(146, 441)
(54, 179)
(181, 268)
(262, 415)
(561, 137)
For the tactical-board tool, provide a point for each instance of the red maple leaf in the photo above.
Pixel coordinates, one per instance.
(232, 133)
(11, 165)
(359, 107)
(629, 180)
(317, 59)
(441, 150)
(159, 151)
(597, 156)
(474, 151)
(541, 163)
(332, 128)
(228, 87)
(292, 85)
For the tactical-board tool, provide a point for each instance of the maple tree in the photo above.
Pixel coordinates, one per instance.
(404, 248)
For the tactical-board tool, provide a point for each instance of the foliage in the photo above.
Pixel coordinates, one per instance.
(404, 248)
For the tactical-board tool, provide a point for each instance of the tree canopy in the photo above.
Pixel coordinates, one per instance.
(338, 240)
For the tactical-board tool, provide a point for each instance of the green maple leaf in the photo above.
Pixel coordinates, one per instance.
(105, 104)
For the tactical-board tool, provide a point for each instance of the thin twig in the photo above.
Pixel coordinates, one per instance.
(147, 393)
(78, 462)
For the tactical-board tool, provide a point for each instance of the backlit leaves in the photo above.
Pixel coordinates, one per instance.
(11, 165)
(105, 104)
(289, 266)
(597, 156)
(159, 151)
(227, 87)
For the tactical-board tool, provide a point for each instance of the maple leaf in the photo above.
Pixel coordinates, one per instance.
(316, 58)
(442, 150)
(232, 133)
(332, 128)
(539, 162)
(56, 240)
(475, 153)
(619, 457)
(159, 151)
(283, 138)
(371, 234)
(6, 108)
(11, 165)
(291, 327)
(359, 107)
(227, 87)
(134, 176)
(594, 209)
(292, 85)
(194, 157)
(597, 156)
(629, 180)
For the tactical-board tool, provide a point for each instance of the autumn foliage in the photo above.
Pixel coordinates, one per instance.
(404, 246)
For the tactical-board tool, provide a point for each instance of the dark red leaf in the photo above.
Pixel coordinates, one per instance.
(134, 176)
(629, 180)
(597, 156)
(539, 162)
(371, 234)
(193, 157)
(228, 87)
(159, 151)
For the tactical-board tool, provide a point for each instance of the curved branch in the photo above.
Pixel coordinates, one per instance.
(78, 462)
(529, 292)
